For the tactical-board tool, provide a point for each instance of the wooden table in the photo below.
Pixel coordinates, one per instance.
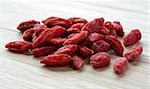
(18, 71)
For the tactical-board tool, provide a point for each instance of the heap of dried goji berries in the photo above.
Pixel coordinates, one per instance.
(70, 41)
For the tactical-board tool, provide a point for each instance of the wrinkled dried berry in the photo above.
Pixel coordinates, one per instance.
(75, 28)
(101, 46)
(23, 26)
(47, 34)
(75, 20)
(67, 49)
(115, 44)
(43, 51)
(133, 37)
(96, 37)
(27, 35)
(85, 52)
(119, 29)
(120, 65)
(133, 53)
(19, 46)
(77, 62)
(110, 26)
(77, 38)
(100, 59)
(56, 60)
(54, 21)
(57, 41)
(94, 26)
(39, 28)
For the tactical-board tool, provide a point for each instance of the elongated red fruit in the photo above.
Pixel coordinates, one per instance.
(133, 53)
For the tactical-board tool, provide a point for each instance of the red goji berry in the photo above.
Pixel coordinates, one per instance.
(27, 35)
(120, 65)
(100, 59)
(77, 38)
(67, 49)
(115, 44)
(85, 52)
(19, 46)
(133, 53)
(23, 26)
(77, 62)
(54, 21)
(43, 51)
(75, 20)
(56, 60)
(101, 46)
(133, 37)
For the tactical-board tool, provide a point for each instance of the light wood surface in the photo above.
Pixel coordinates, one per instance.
(18, 71)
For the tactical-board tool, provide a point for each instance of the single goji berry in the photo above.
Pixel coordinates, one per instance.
(101, 46)
(67, 49)
(133, 37)
(119, 29)
(100, 59)
(85, 52)
(120, 65)
(27, 35)
(23, 26)
(115, 44)
(77, 62)
(19, 46)
(96, 37)
(77, 38)
(57, 41)
(56, 60)
(43, 51)
(94, 26)
(75, 28)
(75, 20)
(133, 53)
(47, 34)
(54, 21)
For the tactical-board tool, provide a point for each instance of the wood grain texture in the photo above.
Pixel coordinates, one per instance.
(18, 71)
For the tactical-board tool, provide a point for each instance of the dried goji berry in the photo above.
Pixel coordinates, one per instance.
(56, 60)
(23, 26)
(75, 28)
(101, 46)
(75, 20)
(100, 59)
(85, 52)
(120, 65)
(115, 44)
(47, 34)
(57, 41)
(133, 53)
(104, 31)
(67, 49)
(39, 28)
(19, 46)
(43, 51)
(94, 26)
(133, 37)
(77, 62)
(54, 21)
(27, 35)
(119, 29)
(87, 42)
(77, 38)
(96, 37)
(110, 26)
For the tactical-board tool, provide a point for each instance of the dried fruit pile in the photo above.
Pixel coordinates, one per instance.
(70, 41)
